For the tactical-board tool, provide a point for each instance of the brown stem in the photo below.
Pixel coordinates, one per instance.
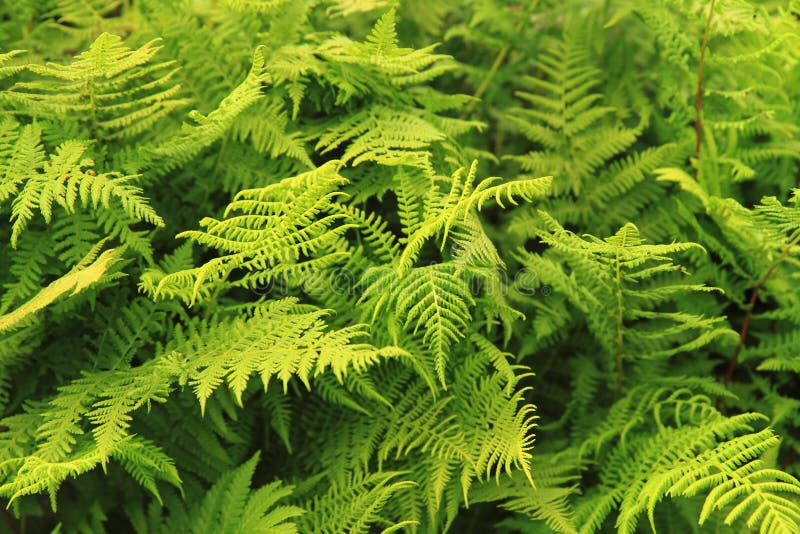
(751, 305)
(797, 176)
(698, 122)
(620, 353)
(789, 460)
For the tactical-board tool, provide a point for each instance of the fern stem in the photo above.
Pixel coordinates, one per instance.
(789, 460)
(218, 159)
(698, 122)
(750, 305)
(620, 311)
(498, 61)
(93, 103)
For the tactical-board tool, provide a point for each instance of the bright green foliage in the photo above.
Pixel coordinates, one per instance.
(230, 506)
(621, 286)
(110, 90)
(399, 266)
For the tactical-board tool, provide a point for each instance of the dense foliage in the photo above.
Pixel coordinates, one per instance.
(399, 266)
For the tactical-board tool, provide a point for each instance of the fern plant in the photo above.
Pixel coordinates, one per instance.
(399, 266)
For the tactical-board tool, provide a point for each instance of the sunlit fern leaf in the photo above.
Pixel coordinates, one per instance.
(105, 399)
(436, 302)
(497, 424)
(276, 342)
(374, 231)
(268, 231)
(262, 7)
(383, 58)
(443, 209)
(630, 281)
(354, 504)
(9, 70)
(27, 155)
(742, 486)
(472, 249)
(343, 8)
(500, 361)
(181, 149)
(181, 259)
(706, 449)
(781, 223)
(547, 502)
(123, 392)
(83, 20)
(116, 91)
(409, 188)
(265, 127)
(232, 506)
(476, 431)
(383, 135)
(564, 118)
(67, 180)
(94, 268)
(36, 474)
(432, 301)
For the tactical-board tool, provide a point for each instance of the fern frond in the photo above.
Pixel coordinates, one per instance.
(67, 180)
(641, 470)
(434, 299)
(343, 8)
(742, 486)
(278, 227)
(232, 506)
(275, 342)
(629, 279)
(181, 149)
(383, 135)
(94, 268)
(119, 92)
(354, 504)
(548, 502)
(446, 210)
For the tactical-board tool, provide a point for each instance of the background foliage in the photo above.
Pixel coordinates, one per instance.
(259, 273)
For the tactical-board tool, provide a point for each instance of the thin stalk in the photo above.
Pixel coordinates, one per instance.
(789, 460)
(698, 122)
(751, 304)
(620, 314)
(498, 61)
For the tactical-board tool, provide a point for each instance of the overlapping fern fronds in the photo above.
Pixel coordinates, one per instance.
(336, 265)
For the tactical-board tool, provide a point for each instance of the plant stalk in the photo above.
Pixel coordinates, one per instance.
(750, 305)
(498, 61)
(698, 122)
